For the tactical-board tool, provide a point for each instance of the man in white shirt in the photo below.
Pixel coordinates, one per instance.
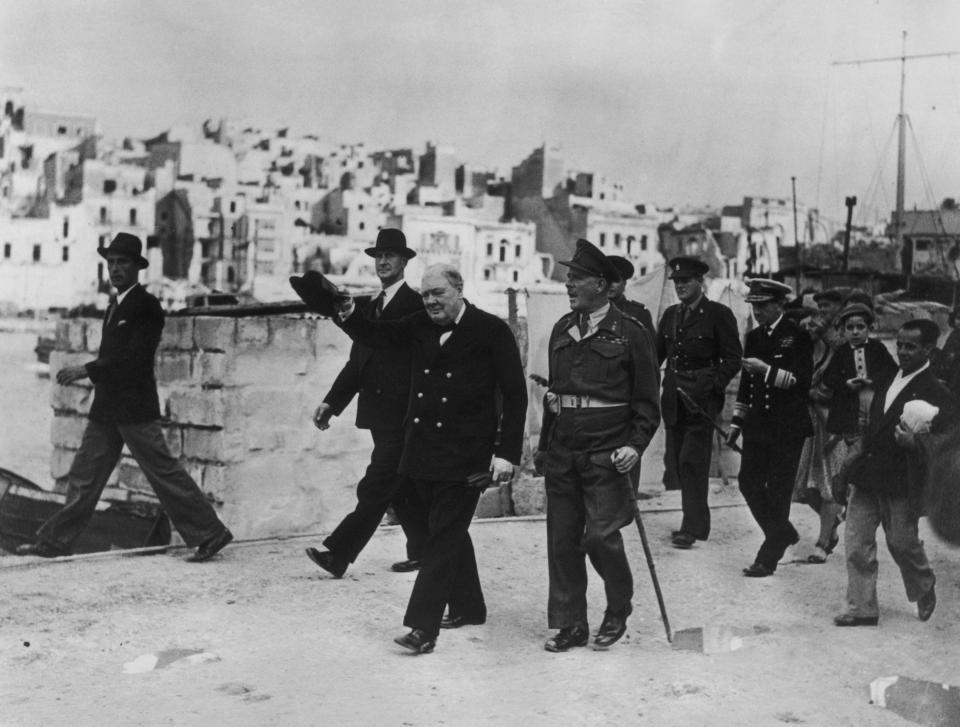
(885, 490)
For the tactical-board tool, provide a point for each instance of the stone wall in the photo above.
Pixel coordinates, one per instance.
(237, 396)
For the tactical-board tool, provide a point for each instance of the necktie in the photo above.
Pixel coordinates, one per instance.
(584, 324)
(111, 310)
(378, 308)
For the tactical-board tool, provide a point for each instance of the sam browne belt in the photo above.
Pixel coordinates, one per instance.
(576, 401)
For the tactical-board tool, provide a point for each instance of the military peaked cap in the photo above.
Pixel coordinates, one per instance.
(588, 259)
(763, 290)
(684, 266)
(623, 266)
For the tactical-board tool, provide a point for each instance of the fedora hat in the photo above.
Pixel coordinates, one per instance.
(390, 239)
(127, 245)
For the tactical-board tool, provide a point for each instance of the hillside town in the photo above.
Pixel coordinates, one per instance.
(236, 209)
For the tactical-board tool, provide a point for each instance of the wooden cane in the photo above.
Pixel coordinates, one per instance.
(649, 557)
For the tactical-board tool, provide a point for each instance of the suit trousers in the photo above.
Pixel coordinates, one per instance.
(898, 515)
(381, 486)
(767, 474)
(448, 566)
(190, 512)
(587, 504)
(689, 444)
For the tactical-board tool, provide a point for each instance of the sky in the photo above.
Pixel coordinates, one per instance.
(686, 102)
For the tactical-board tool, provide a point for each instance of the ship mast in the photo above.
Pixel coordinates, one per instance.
(901, 135)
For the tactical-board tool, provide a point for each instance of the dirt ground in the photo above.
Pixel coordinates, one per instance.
(283, 644)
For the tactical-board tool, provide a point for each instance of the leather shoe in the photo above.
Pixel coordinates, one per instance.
(568, 637)
(848, 619)
(758, 570)
(612, 628)
(40, 548)
(210, 548)
(326, 560)
(684, 541)
(925, 605)
(455, 622)
(416, 641)
(406, 566)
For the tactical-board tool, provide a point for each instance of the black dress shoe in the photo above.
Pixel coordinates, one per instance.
(42, 549)
(684, 541)
(210, 548)
(758, 570)
(406, 566)
(455, 622)
(326, 560)
(568, 637)
(417, 641)
(925, 605)
(848, 619)
(612, 628)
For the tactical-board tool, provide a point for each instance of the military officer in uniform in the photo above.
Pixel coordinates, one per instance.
(700, 347)
(772, 414)
(633, 308)
(603, 410)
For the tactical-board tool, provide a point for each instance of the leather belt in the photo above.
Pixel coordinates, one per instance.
(576, 401)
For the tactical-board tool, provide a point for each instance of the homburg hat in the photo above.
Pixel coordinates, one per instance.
(683, 267)
(763, 290)
(127, 245)
(588, 259)
(390, 239)
(320, 295)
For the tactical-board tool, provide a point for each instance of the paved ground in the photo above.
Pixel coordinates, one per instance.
(279, 643)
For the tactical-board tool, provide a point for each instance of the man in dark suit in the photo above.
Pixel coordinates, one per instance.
(886, 482)
(700, 347)
(632, 308)
(771, 411)
(464, 428)
(126, 411)
(601, 416)
(380, 378)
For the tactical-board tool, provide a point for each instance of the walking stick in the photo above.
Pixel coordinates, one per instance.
(649, 557)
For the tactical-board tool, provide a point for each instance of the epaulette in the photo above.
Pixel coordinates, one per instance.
(630, 318)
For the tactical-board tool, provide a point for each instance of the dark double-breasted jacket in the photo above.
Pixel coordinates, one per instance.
(844, 401)
(700, 356)
(615, 364)
(885, 466)
(468, 397)
(125, 387)
(772, 406)
(378, 377)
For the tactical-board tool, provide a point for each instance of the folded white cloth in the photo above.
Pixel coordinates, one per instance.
(917, 416)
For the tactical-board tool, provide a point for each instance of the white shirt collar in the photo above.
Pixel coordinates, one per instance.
(774, 324)
(390, 291)
(899, 383)
(123, 295)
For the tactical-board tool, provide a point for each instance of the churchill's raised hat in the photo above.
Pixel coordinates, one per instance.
(588, 259)
(764, 289)
(127, 245)
(390, 239)
(684, 266)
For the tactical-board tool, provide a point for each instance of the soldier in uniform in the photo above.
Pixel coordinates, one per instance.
(632, 308)
(603, 411)
(771, 412)
(699, 343)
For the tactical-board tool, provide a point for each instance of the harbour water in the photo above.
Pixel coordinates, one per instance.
(25, 413)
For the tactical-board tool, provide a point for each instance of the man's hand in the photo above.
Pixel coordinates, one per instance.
(734, 435)
(68, 375)
(754, 366)
(904, 438)
(345, 307)
(624, 459)
(321, 417)
(502, 470)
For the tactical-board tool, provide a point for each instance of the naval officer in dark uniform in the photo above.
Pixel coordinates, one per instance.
(700, 347)
(602, 412)
(772, 414)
